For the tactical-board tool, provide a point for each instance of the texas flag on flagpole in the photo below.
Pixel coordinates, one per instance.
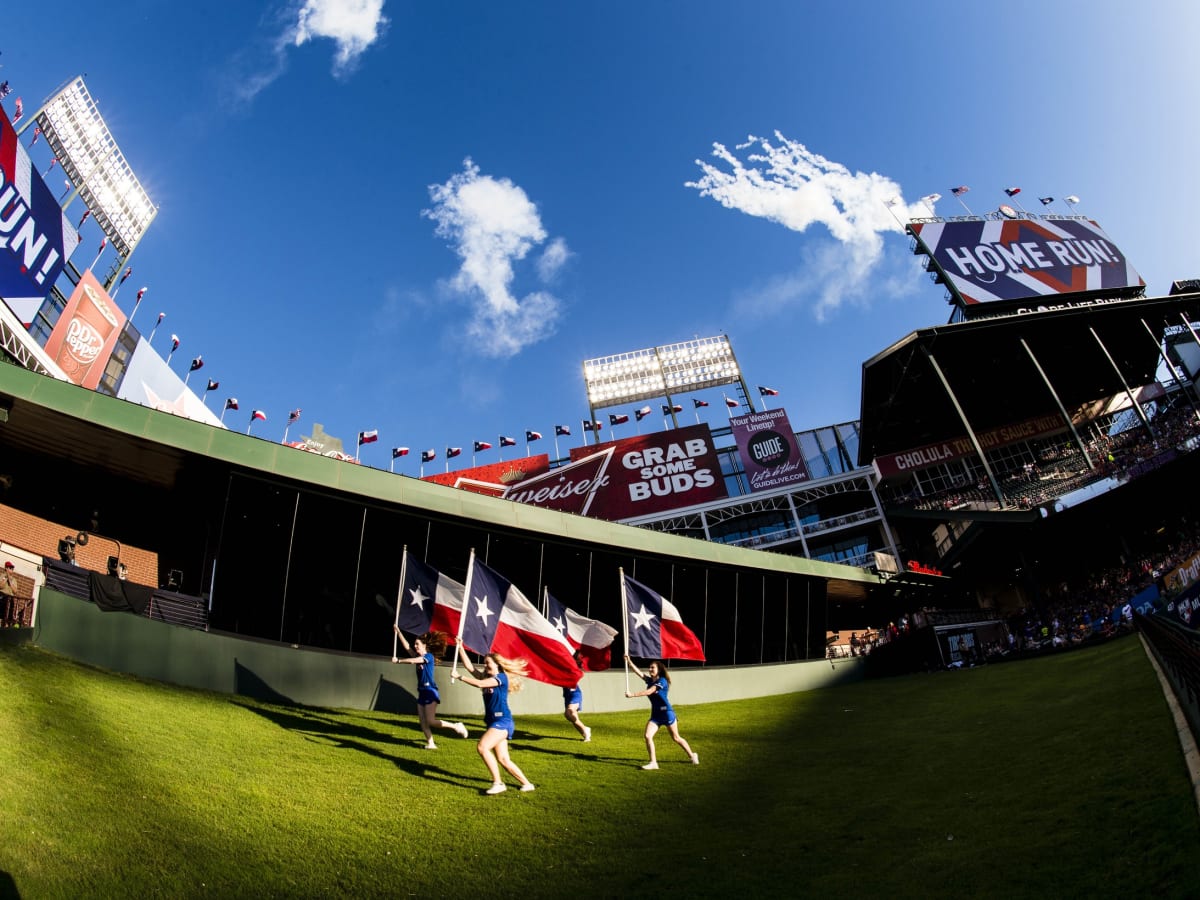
(500, 619)
(368, 437)
(653, 626)
(428, 600)
(591, 638)
(642, 413)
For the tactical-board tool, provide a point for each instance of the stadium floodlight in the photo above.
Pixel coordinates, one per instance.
(91, 159)
(660, 371)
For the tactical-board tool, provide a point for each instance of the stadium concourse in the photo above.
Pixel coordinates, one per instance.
(1083, 453)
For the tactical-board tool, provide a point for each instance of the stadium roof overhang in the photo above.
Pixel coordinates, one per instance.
(913, 391)
(81, 444)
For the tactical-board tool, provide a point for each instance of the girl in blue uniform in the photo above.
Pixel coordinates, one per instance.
(500, 676)
(428, 647)
(573, 702)
(662, 714)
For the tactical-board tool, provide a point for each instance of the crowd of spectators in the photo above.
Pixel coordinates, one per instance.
(1058, 466)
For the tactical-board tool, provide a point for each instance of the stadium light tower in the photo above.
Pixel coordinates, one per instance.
(661, 372)
(77, 134)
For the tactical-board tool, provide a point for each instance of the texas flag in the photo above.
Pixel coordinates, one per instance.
(500, 619)
(654, 626)
(698, 404)
(592, 639)
(506, 441)
(667, 410)
(617, 420)
(767, 392)
(257, 414)
(480, 446)
(593, 425)
(428, 455)
(428, 600)
(561, 430)
(452, 452)
(533, 436)
(732, 404)
(642, 413)
(397, 452)
(197, 363)
(368, 437)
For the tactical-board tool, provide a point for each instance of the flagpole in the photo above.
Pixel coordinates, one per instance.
(625, 630)
(400, 599)
(462, 616)
(557, 455)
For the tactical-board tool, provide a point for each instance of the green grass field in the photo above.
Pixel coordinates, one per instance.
(1046, 778)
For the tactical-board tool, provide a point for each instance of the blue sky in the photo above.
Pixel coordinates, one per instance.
(421, 218)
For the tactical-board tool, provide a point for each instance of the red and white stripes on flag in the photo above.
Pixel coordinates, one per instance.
(498, 618)
(653, 627)
(428, 600)
(593, 639)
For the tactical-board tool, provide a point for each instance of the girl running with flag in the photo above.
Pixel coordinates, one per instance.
(573, 702)
(662, 714)
(428, 647)
(493, 745)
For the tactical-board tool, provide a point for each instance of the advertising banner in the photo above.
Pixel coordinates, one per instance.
(1014, 259)
(768, 448)
(35, 236)
(150, 382)
(1183, 576)
(650, 473)
(86, 332)
(891, 464)
(618, 480)
(494, 478)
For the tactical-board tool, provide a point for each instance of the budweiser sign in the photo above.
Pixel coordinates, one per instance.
(571, 488)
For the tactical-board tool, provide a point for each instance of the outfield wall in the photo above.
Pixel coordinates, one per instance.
(280, 673)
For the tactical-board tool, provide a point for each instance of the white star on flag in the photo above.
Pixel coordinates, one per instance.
(482, 610)
(559, 625)
(418, 597)
(642, 619)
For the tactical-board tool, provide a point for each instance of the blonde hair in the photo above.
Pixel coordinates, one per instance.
(515, 669)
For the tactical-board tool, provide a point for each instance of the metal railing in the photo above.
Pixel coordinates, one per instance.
(1177, 649)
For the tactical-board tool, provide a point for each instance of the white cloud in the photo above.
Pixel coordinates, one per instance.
(491, 223)
(553, 258)
(789, 184)
(354, 25)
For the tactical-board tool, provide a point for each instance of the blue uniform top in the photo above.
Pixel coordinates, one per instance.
(495, 700)
(661, 710)
(425, 669)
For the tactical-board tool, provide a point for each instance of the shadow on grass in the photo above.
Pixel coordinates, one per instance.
(317, 725)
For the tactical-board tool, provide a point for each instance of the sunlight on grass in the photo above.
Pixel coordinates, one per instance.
(1047, 777)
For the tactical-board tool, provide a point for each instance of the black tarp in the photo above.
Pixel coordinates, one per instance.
(112, 594)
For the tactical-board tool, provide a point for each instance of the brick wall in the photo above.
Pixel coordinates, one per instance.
(41, 536)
